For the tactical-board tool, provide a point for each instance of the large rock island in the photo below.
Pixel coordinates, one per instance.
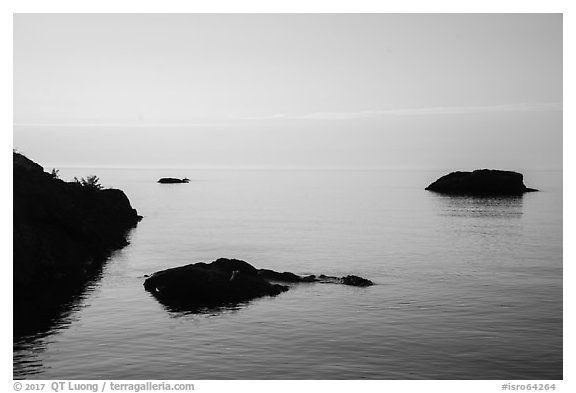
(227, 281)
(481, 182)
(63, 233)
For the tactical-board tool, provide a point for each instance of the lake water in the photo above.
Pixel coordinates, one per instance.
(466, 288)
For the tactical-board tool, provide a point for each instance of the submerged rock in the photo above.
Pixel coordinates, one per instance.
(356, 281)
(173, 180)
(481, 182)
(288, 277)
(282, 277)
(227, 281)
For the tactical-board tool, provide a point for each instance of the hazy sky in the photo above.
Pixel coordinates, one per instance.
(289, 89)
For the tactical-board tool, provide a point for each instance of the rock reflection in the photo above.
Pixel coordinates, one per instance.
(176, 310)
(38, 318)
(480, 207)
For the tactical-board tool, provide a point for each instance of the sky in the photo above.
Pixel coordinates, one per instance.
(291, 90)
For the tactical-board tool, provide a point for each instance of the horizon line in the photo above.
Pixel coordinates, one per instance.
(280, 167)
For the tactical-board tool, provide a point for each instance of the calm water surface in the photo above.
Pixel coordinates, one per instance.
(466, 288)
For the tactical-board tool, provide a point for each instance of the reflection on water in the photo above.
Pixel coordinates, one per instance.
(39, 321)
(48, 310)
(480, 207)
(178, 311)
(45, 314)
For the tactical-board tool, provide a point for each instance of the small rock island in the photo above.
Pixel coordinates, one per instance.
(481, 182)
(173, 180)
(63, 233)
(227, 281)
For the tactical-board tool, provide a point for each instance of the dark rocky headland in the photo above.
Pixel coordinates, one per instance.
(63, 233)
(173, 180)
(225, 282)
(488, 182)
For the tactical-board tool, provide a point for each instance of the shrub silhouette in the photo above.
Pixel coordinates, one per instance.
(91, 182)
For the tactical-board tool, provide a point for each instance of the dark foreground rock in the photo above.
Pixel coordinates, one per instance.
(227, 281)
(481, 182)
(63, 232)
(173, 180)
(208, 285)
